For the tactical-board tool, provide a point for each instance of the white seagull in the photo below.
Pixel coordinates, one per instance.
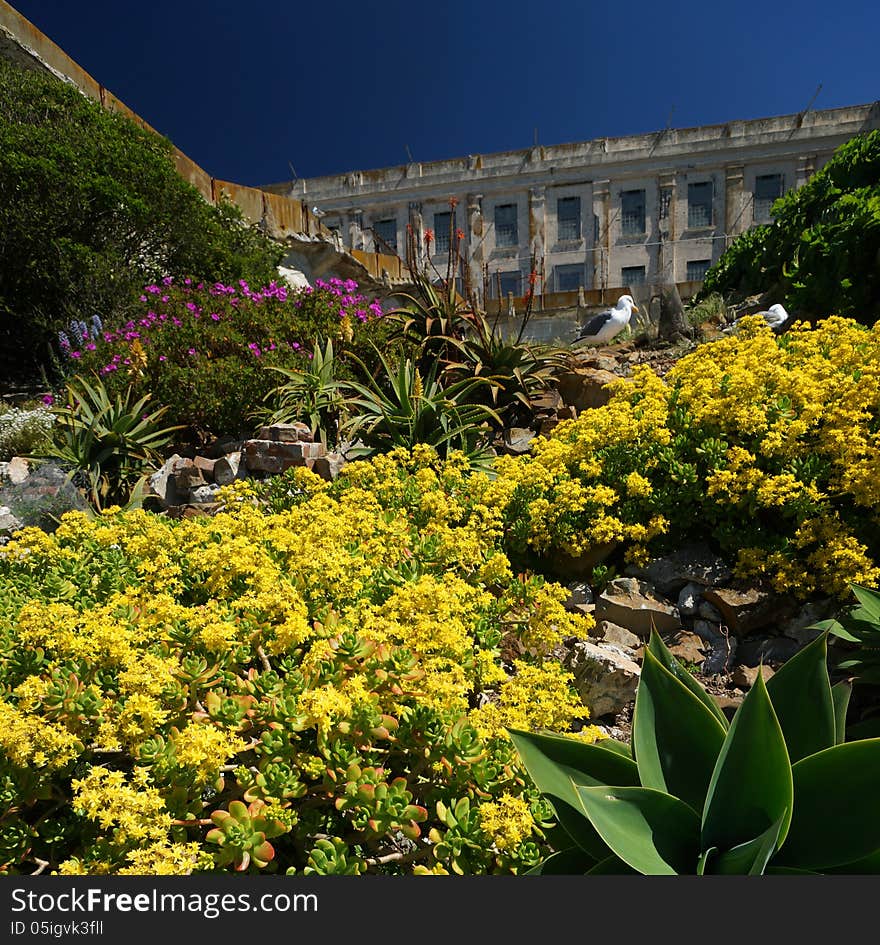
(775, 316)
(606, 325)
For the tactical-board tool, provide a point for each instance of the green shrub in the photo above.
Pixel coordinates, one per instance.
(203, 351)
(694, 794)
(819, 256)
(91, 208)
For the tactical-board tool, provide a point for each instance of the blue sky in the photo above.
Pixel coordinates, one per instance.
(248, 90)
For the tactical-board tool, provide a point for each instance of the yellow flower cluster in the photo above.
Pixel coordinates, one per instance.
(508, 821)
(134, 809)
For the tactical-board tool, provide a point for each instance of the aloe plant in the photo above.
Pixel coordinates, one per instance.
(694, 794)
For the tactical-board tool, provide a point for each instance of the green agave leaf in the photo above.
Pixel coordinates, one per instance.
(822, 836)
(676, 739)
(867, 865)
(660, 651)
(869, 600)
(838, 629)
(751, 785)
(750, 858)
(612, 744)
(558, 765)
(612, 866)
(789, 871)
(570, 862)
(655, 833)
(802, 700)
(703, 861)
(840, 693)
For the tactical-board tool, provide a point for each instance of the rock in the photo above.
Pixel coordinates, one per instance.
(567, 412)
(293, 277)
(42, 498)
(584, 387)
(599, 362)
(728, 704)
(162, 485)
(605, 677)
(745, 611)
(694, 562)
(800, 628)
(689, 599)
(226, 468)
(609, 632)
(328, 467)
(722, 652)
(579, 592)
(223, 447)
(286, 433)
(17, 470)
(635, 605)
(187, 476)
(206, 493)
(709, 612)
(206, 466)
(547, 426)
(745, 676)
(688, 647)
(566, 567)
(275, 456)
(775, 649)
(9, 524)
(519, 441)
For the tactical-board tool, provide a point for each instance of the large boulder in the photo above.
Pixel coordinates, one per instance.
(605, 677)
(637, 606)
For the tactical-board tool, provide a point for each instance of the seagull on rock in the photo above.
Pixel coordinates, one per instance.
(775, 316)
(606, 325)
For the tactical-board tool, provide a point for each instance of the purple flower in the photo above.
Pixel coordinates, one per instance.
(161, 357)
(191, 351)
(48, 399)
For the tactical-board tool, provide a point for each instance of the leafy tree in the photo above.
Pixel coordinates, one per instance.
(821, 253)
(91, 209)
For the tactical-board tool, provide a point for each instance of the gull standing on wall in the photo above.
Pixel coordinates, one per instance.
(606, 325)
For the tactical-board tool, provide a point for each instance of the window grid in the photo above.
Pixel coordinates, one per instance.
(632, 205)
(768, 188)
(510, 282)
(441, 231)
(697, 269)
(386, 230)
(569, 278)
(632, 276)
(568, 218)
(505, 225)
(700, 204)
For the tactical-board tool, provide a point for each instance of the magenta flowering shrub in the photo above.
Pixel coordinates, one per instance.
(203, 350)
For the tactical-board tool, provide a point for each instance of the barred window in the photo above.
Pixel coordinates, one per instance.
(568, 218)
(700, 204)
(697, 269)
(505, 225)
(631, 276)
(632, 206)
(385, 232)
(569, 278)
(768, 188)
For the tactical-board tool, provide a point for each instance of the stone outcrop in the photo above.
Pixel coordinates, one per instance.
(635, 605)
(605, 676)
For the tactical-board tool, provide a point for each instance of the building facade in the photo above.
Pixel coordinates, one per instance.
(628, 211)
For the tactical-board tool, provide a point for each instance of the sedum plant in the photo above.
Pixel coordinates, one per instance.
(693, 794)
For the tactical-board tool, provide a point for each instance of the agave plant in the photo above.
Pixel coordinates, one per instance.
(858, 631)
(108, 441)
(406, 407)
(313, 396)
(516, 370)
(695, 794)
